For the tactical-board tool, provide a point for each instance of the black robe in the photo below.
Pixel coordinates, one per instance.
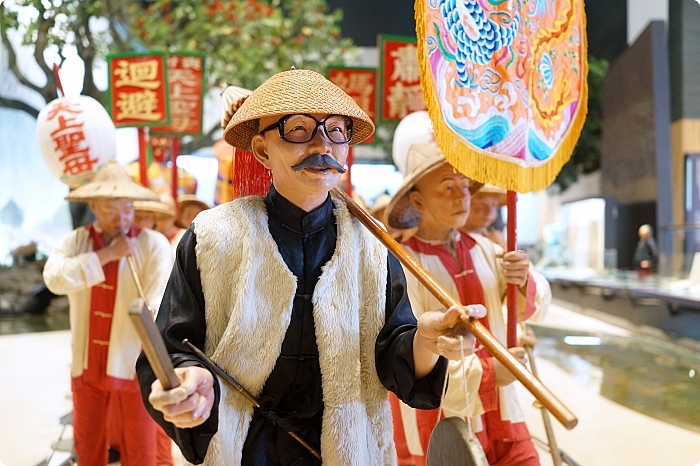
(292, 397)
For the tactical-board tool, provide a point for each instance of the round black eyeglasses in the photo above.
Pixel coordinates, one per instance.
(301, 128)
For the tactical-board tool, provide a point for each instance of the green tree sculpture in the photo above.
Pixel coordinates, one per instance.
(245, 41)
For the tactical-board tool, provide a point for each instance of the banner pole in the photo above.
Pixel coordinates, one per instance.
(512, 290)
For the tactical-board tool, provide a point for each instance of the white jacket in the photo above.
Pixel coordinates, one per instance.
(73, 269)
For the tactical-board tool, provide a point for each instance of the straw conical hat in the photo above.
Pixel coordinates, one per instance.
(421, 160)
(111, 181)
(295, 91)
(159, 208)
(186, 199)
(380, 203)
(495, 191)
(232, 98)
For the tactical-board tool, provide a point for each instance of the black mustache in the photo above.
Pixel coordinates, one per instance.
(319, 160)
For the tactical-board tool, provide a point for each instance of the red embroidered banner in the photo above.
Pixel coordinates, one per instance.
(138, 89)
(186, 94)
(399, 78)
(360, 84)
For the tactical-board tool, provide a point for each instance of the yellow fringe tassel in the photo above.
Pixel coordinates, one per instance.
(485, 167)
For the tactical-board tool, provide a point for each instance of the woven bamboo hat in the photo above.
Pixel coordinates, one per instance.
(160, 209)
(422, 159)
(495, 191)
(232, 98)
(380, 203)
(294, 91)
(187, 199)
(111, 181)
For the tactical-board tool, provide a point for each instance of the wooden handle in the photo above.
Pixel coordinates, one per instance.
(534, 386)
(153, 344)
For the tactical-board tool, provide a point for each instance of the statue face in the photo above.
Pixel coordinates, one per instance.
(280, 156)
(442, 197)
(145, 219)
(188, 213)
(114, 217)
(483, 210)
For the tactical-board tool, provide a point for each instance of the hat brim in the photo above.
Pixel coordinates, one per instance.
(183, 204)
(493, 191)
(290, 92)
(191, 199)
(111, 189)
(160, 209)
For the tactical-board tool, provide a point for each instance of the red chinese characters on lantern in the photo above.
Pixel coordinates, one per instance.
(69, 139)
(360, 84)
(401, 92)
(138, 89)
(186, 82)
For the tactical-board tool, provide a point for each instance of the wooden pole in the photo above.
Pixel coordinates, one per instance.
(553, 448)
(173, 158)
(538, 390)
(511, 289)
(143, 163)
(348, 180)
(59, 86)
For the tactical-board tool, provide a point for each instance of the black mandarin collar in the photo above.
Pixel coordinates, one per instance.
(295, 218)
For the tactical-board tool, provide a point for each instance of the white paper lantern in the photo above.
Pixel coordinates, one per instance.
(414, 128)
(76, 136)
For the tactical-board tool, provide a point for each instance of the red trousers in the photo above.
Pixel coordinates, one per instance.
(425, 419)
(520, 453)
(138, 435)
(164, 456)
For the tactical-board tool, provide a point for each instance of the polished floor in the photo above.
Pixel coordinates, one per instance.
(636, 395)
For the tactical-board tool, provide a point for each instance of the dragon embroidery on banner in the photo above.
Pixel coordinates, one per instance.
(506, 72)
(477, 36)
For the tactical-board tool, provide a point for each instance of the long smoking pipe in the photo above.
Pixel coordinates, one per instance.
(529, 381)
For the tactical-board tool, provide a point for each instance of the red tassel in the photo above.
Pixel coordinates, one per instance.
(250, 177)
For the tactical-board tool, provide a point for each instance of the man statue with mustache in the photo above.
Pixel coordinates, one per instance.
(291, 296)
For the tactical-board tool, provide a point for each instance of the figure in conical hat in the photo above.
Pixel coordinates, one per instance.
(485, 216)
(436, 198)
(90, 266)
(292, 296)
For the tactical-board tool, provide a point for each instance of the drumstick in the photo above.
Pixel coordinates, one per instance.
(153, 345)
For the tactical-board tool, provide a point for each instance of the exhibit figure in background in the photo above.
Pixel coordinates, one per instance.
(485, 216)
(90, 266)
(148, 213)
(298, 301)
(167, 224)
(646, 255)
(436, 198)
(188, 207)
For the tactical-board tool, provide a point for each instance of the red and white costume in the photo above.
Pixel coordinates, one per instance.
(104, 342)
(175, 236)
(476, 278)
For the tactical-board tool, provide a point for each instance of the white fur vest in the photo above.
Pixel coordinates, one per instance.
(249, 291)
